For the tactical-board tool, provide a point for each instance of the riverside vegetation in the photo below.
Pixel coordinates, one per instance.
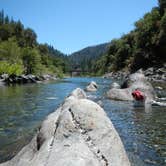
(143, 47)
(20, 53)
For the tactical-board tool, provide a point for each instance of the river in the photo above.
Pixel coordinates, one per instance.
(24, 107)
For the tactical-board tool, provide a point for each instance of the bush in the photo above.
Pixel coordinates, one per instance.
(10, 69)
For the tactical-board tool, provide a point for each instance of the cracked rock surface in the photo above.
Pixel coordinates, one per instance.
(79, 133)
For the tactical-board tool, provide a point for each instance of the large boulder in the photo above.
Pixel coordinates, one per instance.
(91, 87)
(132, 82)
(79, 133)
(120, 94)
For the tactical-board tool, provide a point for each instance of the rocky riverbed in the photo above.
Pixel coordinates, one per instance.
(153, 74)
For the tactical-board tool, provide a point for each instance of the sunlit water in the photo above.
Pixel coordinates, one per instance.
(24, 107)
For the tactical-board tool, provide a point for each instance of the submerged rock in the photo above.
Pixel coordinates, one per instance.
(91, 87)
(115, 85)
(79, 133)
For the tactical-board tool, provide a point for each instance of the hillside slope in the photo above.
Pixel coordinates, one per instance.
(143, 47)
(85, 57)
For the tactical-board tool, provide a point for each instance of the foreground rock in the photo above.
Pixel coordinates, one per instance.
(132, 82)
(79, 133)
(91, 87)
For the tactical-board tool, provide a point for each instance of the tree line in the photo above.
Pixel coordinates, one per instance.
(143, 47)
(20, 53)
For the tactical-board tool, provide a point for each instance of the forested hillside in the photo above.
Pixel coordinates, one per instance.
(143, 47)
(20, 53)
(85, 58)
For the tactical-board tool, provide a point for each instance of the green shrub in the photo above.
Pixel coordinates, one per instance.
(10, 69)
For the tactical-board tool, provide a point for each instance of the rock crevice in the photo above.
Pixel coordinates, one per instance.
(88, 140)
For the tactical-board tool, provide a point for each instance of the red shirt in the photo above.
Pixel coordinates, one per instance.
(138, 95)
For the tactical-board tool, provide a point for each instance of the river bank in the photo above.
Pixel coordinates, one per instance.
(5, 79)
(153, 74)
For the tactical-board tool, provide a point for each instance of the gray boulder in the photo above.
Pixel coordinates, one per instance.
(91, 87)
(4, 76)
(48, 77)
(132, 82)
(120, 94)
(79, 133)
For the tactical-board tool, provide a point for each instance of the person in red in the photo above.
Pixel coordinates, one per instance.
(138, 95)
(140, 100)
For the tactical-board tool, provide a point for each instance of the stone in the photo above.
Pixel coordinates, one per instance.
(91, 87)
(134, 81)
(31, 78)
(78, 93)
(155, 74)
(78, 133)
(158, 88)
(115, 85)
(120, 94)
(149, 71)
(4, 76)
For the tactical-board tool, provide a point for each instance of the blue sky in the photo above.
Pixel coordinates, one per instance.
(70, 25)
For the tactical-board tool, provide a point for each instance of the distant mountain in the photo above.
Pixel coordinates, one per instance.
(85, 57)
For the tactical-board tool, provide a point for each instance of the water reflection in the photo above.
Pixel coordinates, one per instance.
(148, 108)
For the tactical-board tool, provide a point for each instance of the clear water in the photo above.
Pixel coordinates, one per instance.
(24, 107)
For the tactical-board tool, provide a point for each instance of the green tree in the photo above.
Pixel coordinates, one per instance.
(162, 5)
(32, 61)
(30, 38)
(20, 52)
(11, 69)
(10, 58)
(1, 17)
(10, 51)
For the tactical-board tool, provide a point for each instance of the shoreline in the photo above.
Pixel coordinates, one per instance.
(152, 74)
(5, 79)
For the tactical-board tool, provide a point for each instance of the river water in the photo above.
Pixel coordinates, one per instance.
(24, 107)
